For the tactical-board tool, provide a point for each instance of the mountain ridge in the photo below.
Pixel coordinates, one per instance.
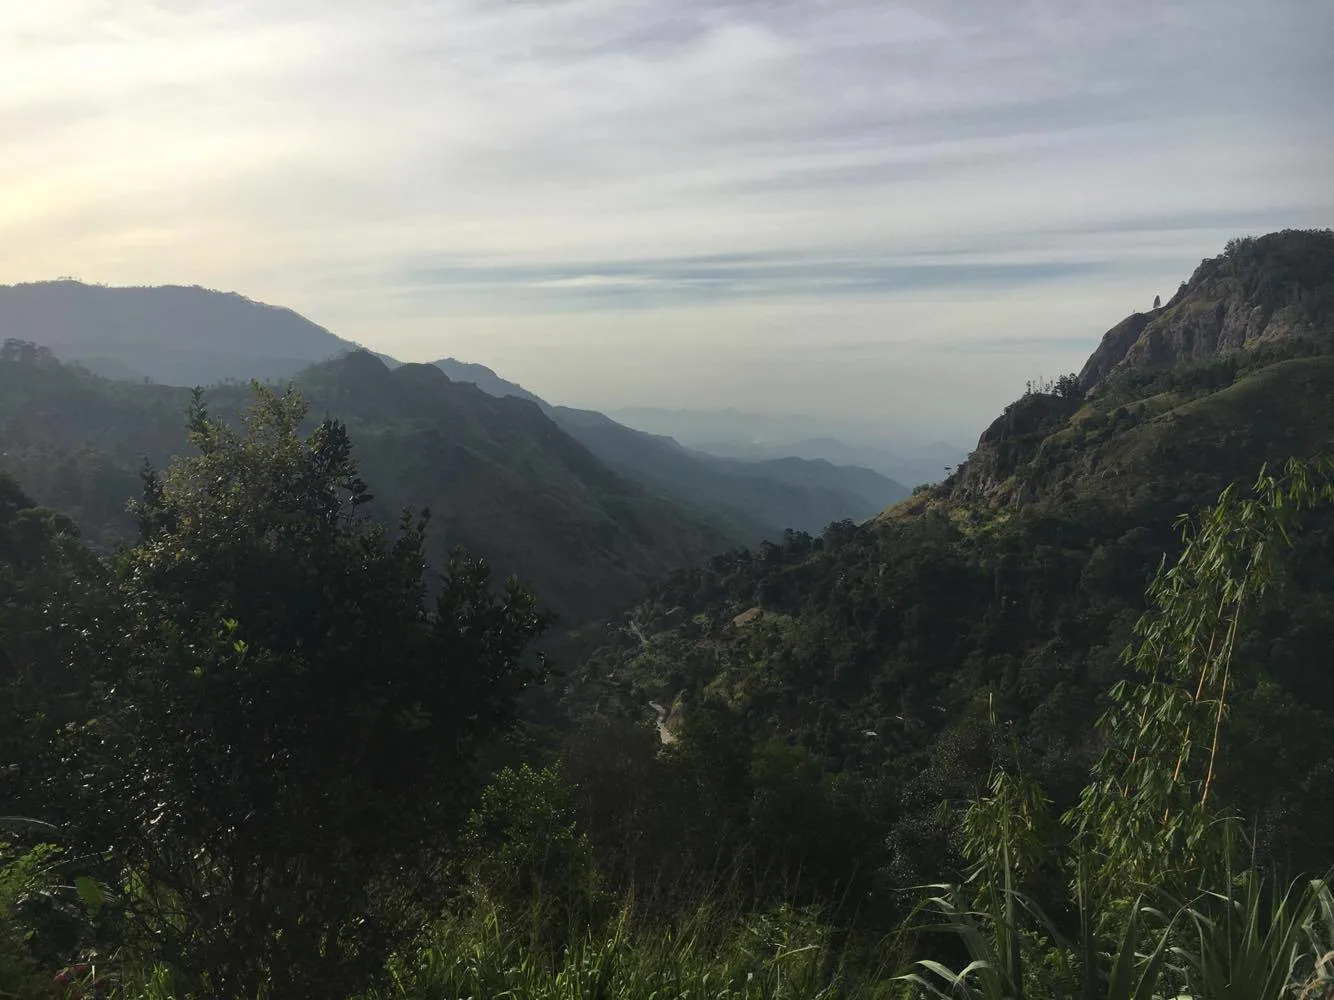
(500, 478)
(1260, 290)
(189, 335)
(1163, 382)
(174, 334)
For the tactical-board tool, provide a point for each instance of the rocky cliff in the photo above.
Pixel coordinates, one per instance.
(1260, 291)
(1235, 370)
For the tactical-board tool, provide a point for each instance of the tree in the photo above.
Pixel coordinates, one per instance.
(526, 855)
(41, 562)
(287, 726)
(1157, 301)
(1148, 806)
(1145, 830)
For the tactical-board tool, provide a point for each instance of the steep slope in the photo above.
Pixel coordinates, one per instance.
(1234, 371)
(750, 500)
(192, 336)
(485, 379)
(1261, 291)
(76, 442)
(500, 478)
(171, 334)
(876, 655)
(730, 433)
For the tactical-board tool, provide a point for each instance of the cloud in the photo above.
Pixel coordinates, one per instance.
(480, 177)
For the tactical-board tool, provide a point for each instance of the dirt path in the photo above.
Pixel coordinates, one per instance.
(665, 735)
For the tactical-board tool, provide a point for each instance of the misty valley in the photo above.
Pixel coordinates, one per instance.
(327, 675)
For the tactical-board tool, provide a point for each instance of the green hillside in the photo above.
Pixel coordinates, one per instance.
(748, 500)
(498, 476)
(185, 336)
(869, 658)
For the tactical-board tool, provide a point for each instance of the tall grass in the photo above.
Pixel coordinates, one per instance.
(780, 955)
(1254, 942)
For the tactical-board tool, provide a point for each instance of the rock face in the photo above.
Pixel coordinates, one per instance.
(1026, 415)
(1116, 344)
(1272, 297)
(1011, 439)
(1259, 291)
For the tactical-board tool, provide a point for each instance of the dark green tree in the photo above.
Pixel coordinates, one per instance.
(43, 567)
(287, 723)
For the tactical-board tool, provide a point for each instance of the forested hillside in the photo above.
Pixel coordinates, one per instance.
(179, 336)
(499, 477)
(867, 659)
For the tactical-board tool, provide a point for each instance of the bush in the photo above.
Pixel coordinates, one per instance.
(526, 856)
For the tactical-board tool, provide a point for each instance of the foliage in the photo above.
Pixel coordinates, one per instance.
(503, 480)
(44, 572)
(25, 877)
(770, 956)
(284, 725)
(1148, 805)
(285, 760)
(526, 856)
(1144, 825)
(874, 653)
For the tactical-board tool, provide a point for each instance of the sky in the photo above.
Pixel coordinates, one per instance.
(889, 212)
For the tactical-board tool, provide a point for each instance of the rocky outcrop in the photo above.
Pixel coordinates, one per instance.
(1012, 439)
(1116, 344)
(1027, 415)
(1274, 290)
(1259, 291)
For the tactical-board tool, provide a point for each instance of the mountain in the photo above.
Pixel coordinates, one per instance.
(856, 483)
(486, 380)
(731, 433)
(193, 336)
(499, 477)
(1235, 370)
(748, 500)
(171, 334)
(877, 655)
(1261, 291)
(913, 466)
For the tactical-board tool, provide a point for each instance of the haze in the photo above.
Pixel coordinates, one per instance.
(888, 212)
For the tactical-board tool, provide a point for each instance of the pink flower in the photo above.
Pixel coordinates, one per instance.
(63, 978)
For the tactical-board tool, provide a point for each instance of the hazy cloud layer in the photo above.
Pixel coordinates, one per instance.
(848, 206)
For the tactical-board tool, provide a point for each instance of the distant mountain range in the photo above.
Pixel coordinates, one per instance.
(584, 508)
(190, 335)
(497, 475)
(755, 497)
(172, 334)
(731, 433)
